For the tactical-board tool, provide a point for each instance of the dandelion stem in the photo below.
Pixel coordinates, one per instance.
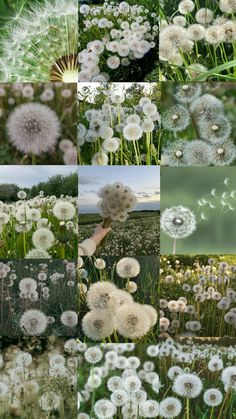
(33, 159)
(212, 412)
(174, 247)
(187, 409)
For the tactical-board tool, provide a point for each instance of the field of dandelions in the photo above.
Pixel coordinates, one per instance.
(198, 124)
(197, 40)
(38, 124)
(198, 210)
(38, 298)
(118, 381)
(39, 41)
(118, 41)
(117, 299)
(197, 299)
(139, 235)
(197, 380)
(38, 378)
(117, 126)
(39, 227)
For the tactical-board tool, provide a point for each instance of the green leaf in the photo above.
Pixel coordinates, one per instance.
(214, 71)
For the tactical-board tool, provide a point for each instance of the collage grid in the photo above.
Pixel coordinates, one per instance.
(117, 209)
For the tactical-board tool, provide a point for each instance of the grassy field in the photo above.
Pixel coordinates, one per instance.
(139, 235)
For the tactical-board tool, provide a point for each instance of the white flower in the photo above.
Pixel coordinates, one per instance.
(128, 267)
(132, 132)
(178, 222)
(188, 385)
(212, 397)
(170, 407)
(33, 128)
(64, 210)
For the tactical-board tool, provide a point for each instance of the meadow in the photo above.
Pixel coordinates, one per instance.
(197, 40)
(197, 379)
(39, 222)
(139, 235)
(197, 297)
(38, 123)
(120, 43)
(111, 288)
(38, 298)
(121, 380)
(118, 124)
(38, 378)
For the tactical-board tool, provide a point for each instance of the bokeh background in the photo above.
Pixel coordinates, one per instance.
(185, 186)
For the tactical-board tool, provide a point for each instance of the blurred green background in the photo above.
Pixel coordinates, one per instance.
(185, 186)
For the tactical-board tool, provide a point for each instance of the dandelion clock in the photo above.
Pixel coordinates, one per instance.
(116, 202)
(178, 222)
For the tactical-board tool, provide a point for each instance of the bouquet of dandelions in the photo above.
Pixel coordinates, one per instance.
(116, 202)
(203, 113)
(199, 42)
(120, 132)
(178, 222)
(114, 37)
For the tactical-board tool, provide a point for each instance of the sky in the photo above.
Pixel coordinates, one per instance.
(27, 176)
(143, 180)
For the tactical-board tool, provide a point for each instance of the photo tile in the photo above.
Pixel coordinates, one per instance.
(38, 212)
(197, 40)
(119, 123)
(117, 299)
(119, 211)
(198, 210)
(38, 377)
(38, 123)
(197, 377)
(118, 41)
(124, 380)
(198, 124)
(197, 296)
(39, 41)
(38, 298)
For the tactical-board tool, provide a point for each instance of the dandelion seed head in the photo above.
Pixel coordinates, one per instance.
(33, 128)
(170, 407)
(149, 409)
(186, 6)
(198, 153)
(176, 119)
(104, 409)
(33, 322)
(131, 321)
(212, 397)
(204, 16)
(178, 222)
(188, 385)
(64, 210)
(128, 267)
(173, 154)
(97, 324)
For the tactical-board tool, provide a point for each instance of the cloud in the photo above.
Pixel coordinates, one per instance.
(83, 180)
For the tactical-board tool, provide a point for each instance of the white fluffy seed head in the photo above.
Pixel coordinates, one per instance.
(33, 128)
